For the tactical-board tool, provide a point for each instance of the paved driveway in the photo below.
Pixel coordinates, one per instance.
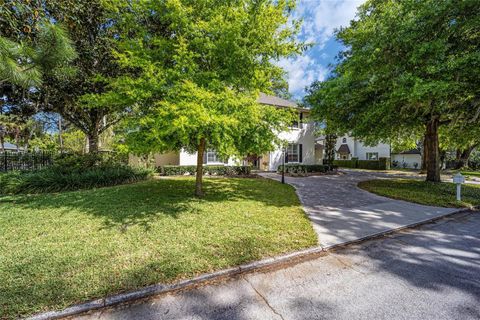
(429, 273)
(341, 212)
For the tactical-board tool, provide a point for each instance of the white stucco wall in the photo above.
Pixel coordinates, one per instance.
(361, 150)
(409, 159)
(304, 136)
(190, 159)
(351, 145)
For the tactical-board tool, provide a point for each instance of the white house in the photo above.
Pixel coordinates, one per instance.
(301, 148)
(347, 147)
(408, 159)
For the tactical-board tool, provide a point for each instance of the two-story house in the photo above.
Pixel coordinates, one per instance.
(348, 147)
(301, 145)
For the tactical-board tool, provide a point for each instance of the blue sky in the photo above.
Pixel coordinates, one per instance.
(320, 19)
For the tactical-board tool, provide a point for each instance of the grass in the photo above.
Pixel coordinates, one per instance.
(471, 173)
(428, 193)
(66, 248)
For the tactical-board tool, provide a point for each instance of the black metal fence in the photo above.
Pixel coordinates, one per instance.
(24, 160)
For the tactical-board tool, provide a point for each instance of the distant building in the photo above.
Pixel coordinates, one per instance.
(348, 147)
(10, 147)
(407, 159)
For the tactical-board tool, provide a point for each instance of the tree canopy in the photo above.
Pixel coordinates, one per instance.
(409, 65)
(196, 69)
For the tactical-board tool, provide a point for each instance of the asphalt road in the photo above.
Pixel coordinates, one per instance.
(432, 272)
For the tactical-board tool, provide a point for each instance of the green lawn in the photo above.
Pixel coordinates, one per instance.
(65, 248)
(434, 194)
(471, 173)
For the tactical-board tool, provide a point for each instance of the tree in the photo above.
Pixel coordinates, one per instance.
(198, 67)
(408, 65)
(93, 28)
(462, 137)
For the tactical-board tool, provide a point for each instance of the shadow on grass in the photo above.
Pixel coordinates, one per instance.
(141, 203)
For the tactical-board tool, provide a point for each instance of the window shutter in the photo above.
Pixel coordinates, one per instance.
(301, 120)
(300, 153)
(286, 155)
(205, 158)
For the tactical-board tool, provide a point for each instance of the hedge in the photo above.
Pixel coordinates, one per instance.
(56, 179)
(380, 164)
(170, 170)
(303, 168)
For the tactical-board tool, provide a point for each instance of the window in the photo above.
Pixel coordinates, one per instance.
(294, 153)
(212, 157)
(372, 155)
(298, 122)
(344, 140)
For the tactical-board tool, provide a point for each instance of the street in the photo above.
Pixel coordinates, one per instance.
(431, 272)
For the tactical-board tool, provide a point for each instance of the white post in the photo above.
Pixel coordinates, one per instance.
(458, 179)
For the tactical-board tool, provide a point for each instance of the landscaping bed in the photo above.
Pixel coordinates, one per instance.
(66, 248)
(427, 193)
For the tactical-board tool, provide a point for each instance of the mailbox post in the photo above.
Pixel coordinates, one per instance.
(458, 179)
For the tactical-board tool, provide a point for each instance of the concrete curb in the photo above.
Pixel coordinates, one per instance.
(269, 263)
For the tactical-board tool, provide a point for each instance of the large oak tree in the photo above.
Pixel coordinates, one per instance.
(408, 65)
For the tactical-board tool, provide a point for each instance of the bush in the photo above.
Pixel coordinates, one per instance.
(170, 170)
(380, 164)
(71, 173)
(344, 163)
(303, 169)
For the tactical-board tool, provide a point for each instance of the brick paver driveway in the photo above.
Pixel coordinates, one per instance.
(341, 212)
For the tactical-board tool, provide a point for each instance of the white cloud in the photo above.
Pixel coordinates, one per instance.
(320, 19)
(302, 71)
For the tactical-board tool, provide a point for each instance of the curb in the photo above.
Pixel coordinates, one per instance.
(256, 266)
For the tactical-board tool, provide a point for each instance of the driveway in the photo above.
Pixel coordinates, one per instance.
(341, 212)
(429, 273)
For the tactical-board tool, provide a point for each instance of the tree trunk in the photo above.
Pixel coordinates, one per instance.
(60, 133)
(423, 168)
(432, 150)
(93, 138)
(463, 156)
(199, 176)
(2, 143)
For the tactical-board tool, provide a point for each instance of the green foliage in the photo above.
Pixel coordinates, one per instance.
(171, 170)
(345, 163)
(198, 69)
(409, 67)
(72, 172)
(302, 169)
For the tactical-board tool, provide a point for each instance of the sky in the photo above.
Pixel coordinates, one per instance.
(320, 19)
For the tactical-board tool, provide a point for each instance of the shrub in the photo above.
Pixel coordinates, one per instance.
(71, 172)
(170, 170)
(344, 163)
(380, 164)
(303, 169)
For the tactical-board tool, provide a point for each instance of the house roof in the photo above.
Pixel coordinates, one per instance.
(344, 149)
(276, 101)
(412, 151)
(11, 146)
